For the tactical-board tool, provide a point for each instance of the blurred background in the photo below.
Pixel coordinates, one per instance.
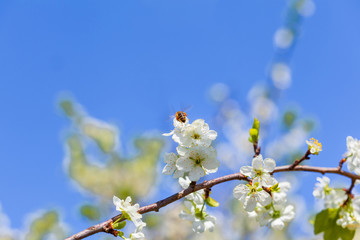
(88, 87)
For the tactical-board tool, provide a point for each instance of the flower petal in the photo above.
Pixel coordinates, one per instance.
(210, 164)
(212, 134)
(184, 164)
(257, 162)
(277, 224)
(168, 169)
(250, 204)
(196, 173)
(241, 191)
(263, 198)
(269, 164)
(247, 171)
(198, 226)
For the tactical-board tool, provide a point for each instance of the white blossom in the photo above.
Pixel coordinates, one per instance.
(333, 197)
(314, 146)
(196, 134)
(321, 187)
(280, 196)
(353, 154)
(260, 171)
(276, 215)
(196, 197)
(349, 215)
(170, 167)
(179, 126)
(129, 211)
(249, 195)
(137, 235)
(197, 161)
(201, 221)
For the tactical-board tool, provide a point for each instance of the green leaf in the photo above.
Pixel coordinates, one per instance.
(325, 221)
(119, 225)
(212, 202)
(90, 212)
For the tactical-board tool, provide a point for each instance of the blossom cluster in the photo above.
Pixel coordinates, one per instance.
(263, 197)
(130, 212)
(195, 209)
(353, 154)
(194, 159)
(336, 198)
(342, 199)
(195, 156)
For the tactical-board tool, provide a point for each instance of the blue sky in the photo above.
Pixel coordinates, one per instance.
(127, 59)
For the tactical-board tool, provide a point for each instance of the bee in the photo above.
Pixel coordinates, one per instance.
(180, 116)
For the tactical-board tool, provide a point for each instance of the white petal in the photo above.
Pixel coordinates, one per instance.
(277, 224)
(247, 171)
(349, 141)
(268, 180)
(117, 202)
(257, 162)
(184, 182)
(168, 134)
(198, 226)
(263, 198)
(181, 150)
(212, 135)
(210, 164)
(284, 186)
(269, 164)
(196, 173)
(288, 213)
(128, 199)
(241, 191)
(168, 169)
(209, 223)
(170, 158)
(186, 216)
(250, 204)
(184, 164)
(178, 174)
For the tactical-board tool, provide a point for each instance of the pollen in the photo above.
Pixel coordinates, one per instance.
(314, 146)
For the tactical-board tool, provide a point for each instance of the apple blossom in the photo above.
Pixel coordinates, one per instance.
(250, 194)
(260, 171)
(197, 161)
(353, 154)
(201, 221)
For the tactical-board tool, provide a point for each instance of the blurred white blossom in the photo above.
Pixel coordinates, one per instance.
(283, 38)
(281, 75)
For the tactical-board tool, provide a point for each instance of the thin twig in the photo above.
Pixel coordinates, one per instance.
(297, 162)
(341, 163)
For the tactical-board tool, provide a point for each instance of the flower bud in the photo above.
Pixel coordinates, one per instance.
(256, 124)
(254, 134)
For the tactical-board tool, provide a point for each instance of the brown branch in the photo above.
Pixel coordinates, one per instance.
(257, 149)
(297, 162)
(104, 227)
(341, 163)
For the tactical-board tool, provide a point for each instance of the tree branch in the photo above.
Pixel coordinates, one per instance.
(106, 226)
